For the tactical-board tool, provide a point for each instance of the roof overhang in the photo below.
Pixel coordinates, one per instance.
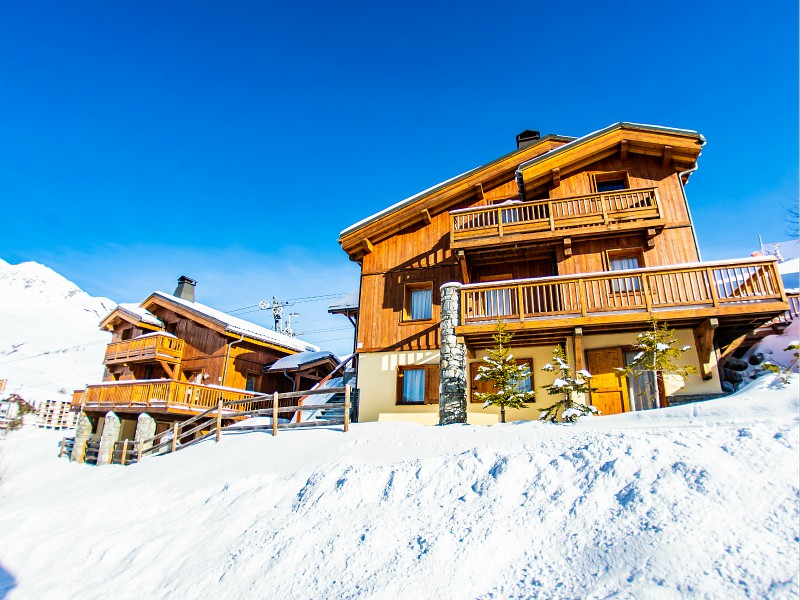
(119, 314)
(357, 239)
(678, 147)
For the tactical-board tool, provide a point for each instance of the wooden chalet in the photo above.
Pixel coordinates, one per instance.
(568, 241)
(172, 357)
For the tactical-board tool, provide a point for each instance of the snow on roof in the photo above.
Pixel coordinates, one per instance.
(144, 315)
(299, 360)
(239, 326)
(622, 124)
(402, 203)
(347, 301)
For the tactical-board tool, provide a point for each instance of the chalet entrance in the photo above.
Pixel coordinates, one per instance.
(611, 394)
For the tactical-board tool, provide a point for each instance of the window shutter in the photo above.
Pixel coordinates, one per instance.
(432, 384)
(484, 387)
(399, 398)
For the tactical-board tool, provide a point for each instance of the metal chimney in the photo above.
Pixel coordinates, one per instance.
(185, 288)
(527, 138)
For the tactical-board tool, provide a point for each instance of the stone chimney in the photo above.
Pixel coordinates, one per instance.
(527, 138)
(185, 288)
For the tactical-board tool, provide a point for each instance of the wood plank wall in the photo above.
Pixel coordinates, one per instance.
(422, 252)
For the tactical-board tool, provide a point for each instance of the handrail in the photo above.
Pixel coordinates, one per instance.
(634, 289)
(325, 379)
(151, 346)
(180, 429)
(556, 213)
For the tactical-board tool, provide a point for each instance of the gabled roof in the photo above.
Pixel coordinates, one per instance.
(679, 147)
(440, 197)
(533, 165)
(227, 323)
(132, 313)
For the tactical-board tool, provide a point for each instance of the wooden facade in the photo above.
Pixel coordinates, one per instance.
(535, 235)
(173, 358)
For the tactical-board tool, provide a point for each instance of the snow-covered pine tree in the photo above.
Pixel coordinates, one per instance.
(565, 385)
(658, 354)
(501, 369)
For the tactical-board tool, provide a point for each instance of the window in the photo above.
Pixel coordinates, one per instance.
(418, 384)
(641, 386)
(418, 302)
(621, 260)
(610, 182)
(526, 385)
(126, 334)
(250, 384)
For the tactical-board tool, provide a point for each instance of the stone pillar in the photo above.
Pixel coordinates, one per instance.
(452, 360)
(145, 429)
(108, 438)
(83, 431)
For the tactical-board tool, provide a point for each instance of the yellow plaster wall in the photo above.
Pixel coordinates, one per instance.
(673, 384)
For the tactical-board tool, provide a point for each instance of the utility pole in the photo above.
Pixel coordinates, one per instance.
(277, 313)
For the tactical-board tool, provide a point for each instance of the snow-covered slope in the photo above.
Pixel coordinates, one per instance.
(690, 502)
(49, 340)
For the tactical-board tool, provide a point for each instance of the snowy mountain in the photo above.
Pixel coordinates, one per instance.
(50, 343)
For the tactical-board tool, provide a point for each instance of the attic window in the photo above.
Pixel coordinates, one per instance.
(610, 182)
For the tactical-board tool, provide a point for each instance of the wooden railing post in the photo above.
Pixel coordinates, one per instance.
(582, 296)
(61, 450)
(550, 214)
(520, 304)
(604, 208)
(648, 301)
(124, 452)
(712, 286)
(174, 437)
(346, 408)
(219, 419)
(139, 452)
(275, 414)
(500, 222)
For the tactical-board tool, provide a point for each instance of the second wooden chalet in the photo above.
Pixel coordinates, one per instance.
(572, 241)
(172, 357)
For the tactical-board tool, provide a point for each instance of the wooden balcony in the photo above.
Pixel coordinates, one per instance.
(744, 292)
(562, 217)
(158, 395)
(148, 348)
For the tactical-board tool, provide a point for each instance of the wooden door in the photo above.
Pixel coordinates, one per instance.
(611, 395)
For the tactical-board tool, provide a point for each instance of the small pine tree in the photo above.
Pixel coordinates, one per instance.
(502, 370)
(782, 371)
(565, 385)
(658, 355)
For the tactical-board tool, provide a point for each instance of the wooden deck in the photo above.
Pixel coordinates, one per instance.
(157, 347)
(158, 395)
(561, 217)
(742, 291)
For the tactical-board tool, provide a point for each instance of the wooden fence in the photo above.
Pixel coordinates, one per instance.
(210, 423)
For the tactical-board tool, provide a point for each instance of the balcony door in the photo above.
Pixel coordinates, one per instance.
(611, 395)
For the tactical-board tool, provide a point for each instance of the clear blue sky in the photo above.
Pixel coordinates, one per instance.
(233, 141)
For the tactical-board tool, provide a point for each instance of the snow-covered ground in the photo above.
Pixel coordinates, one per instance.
(50, 343)
(698, 501)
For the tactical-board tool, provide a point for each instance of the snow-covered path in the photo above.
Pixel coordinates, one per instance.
(697, 501)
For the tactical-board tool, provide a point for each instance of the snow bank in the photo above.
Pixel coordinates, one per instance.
(696, 501)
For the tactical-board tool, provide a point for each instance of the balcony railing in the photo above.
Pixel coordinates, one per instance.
(718, 284)
(149, 347)
(547, 216)
(159, 394)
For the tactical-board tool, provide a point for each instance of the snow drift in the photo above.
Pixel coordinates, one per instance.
(694, 501)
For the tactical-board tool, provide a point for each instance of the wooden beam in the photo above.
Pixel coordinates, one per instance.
(667, 155)
(567, 246)
(478, 187)
(704, 345)
(577, 341)
(426, 216)
(623, 149)
(366, 245)
(169, 370)
(556, 177)
(462, 262)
